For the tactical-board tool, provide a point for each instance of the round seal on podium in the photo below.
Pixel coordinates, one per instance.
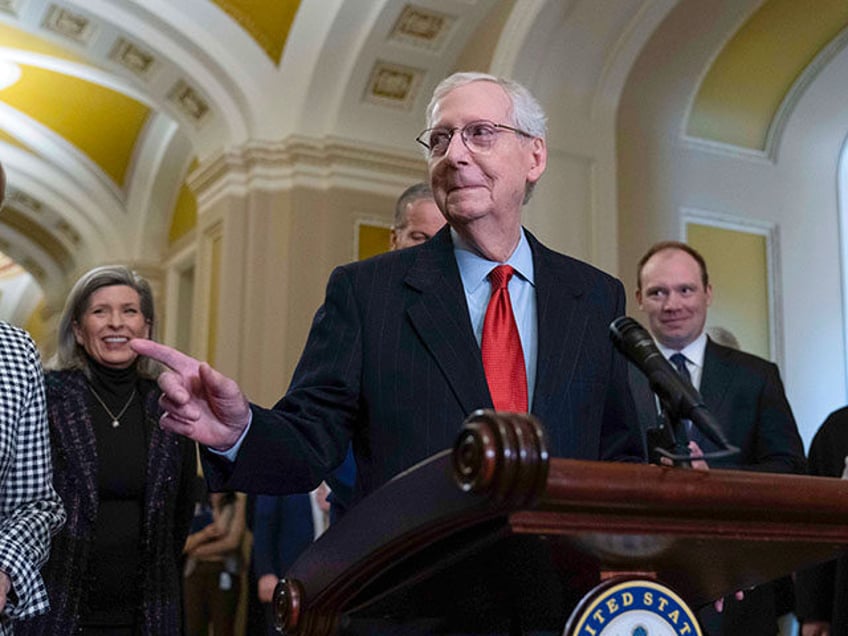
(632, 607)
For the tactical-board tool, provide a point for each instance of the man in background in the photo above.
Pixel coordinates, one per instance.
(284, 526)
(417, 217)
(30, 510)
(743, 392)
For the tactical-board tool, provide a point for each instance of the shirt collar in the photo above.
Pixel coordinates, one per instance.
(694, 351)
(473, 268)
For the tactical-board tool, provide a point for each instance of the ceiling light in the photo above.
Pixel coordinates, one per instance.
(9, 74)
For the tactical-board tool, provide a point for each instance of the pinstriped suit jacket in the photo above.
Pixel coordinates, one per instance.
(392, 364)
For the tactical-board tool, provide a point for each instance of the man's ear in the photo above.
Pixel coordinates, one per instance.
(539, 159)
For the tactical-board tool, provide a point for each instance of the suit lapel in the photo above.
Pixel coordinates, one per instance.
(716, 377)
(440, 317)
(560, 329)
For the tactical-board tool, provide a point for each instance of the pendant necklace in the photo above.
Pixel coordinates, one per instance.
(116, 419)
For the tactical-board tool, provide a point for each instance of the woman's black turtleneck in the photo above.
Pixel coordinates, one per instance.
(113, 581)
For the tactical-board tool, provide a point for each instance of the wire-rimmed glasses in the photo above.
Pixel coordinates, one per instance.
(478, 137)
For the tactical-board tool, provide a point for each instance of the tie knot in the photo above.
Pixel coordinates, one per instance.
(499, 276)
(679, 361)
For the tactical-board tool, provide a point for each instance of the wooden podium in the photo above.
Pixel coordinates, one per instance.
(705, 534)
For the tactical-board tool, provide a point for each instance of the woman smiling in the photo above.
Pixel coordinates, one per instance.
(126, 484)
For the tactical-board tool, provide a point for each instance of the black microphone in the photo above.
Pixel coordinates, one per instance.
(681, 399)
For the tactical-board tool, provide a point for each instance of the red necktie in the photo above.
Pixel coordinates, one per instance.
(503, 359)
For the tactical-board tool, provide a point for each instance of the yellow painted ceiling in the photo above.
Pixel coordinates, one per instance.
(267, 22)
(102, 123)
(16, 39)
(743, 89)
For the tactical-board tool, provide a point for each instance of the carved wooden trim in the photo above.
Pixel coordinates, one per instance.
(502, 455)
(704, 533)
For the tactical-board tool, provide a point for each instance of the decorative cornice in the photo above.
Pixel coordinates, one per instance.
(721, 148)
(322, 164)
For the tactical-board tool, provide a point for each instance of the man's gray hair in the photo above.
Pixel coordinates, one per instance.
(70, 354)
(527, 113)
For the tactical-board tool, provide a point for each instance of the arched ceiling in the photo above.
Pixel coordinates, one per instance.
(117, 100)
(745, 90)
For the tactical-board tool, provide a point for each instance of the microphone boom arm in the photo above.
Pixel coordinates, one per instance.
(680, 399)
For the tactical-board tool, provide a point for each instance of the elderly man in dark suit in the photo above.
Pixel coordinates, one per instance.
(743, 392)
(397, 356)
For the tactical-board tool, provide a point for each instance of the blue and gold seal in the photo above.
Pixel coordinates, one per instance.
(632, 607)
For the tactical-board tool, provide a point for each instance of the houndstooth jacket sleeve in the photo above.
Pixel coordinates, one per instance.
(30, 510)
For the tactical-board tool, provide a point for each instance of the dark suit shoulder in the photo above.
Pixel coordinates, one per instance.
(830, 445)
(740, 359)
(837, 419)
(563, 276)
(422, 262)
(834, 430)
(380, 262)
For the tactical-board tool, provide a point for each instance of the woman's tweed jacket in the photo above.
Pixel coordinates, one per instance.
(171, 470)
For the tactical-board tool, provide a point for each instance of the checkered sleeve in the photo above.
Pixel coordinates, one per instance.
(30, 510)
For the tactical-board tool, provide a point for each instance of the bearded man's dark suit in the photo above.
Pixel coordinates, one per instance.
(392, 364)
(745, 395)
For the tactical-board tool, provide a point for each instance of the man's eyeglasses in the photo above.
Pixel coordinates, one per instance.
(478, 137)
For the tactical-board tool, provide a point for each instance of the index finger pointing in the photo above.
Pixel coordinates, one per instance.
(171, 358)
